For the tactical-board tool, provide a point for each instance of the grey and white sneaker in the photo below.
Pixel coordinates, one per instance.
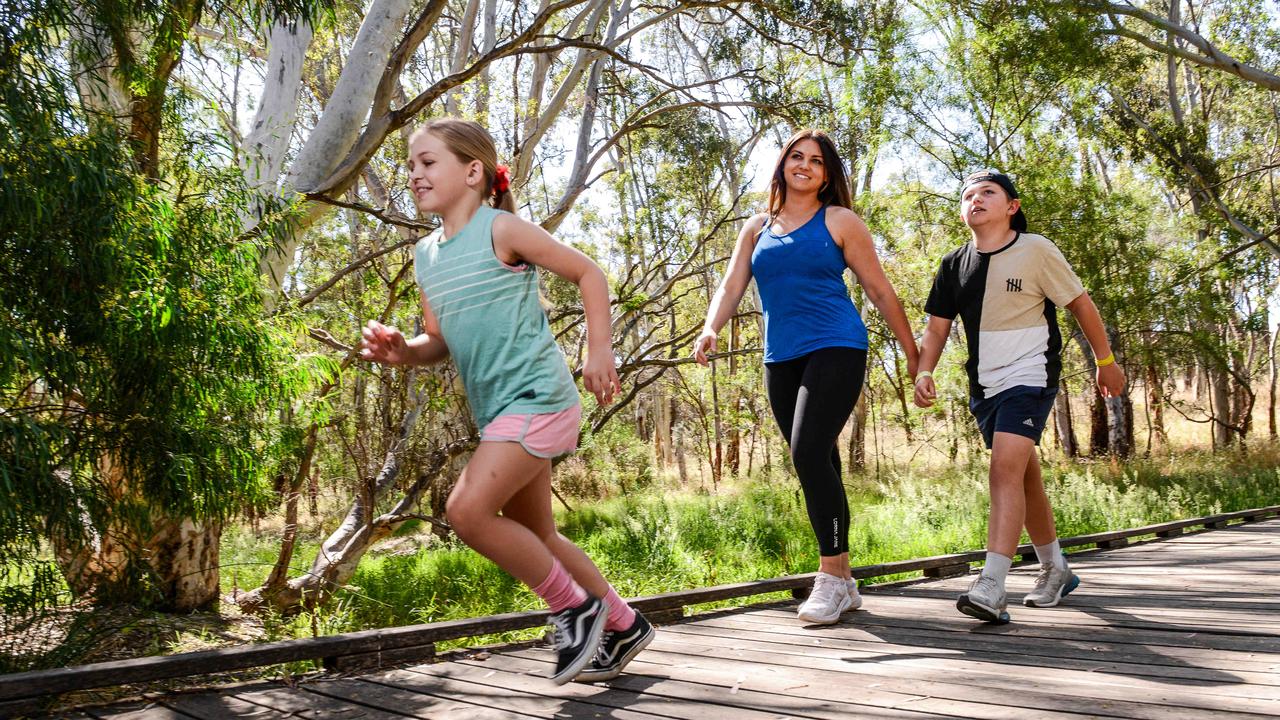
(854, 596)
(985, 600)
(1052, 584)
(828, 599)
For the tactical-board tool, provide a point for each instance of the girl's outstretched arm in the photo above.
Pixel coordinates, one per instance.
(518, 240)
(387, 345)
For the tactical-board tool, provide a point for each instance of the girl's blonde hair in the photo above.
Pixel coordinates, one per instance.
(469, 141)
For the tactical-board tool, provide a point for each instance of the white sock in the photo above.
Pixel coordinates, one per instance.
(1051, 553)
(997, 567)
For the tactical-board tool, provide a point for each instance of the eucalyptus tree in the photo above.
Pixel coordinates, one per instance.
(133, 357)
(985, 96)
(1210, 138)
(1180, 90)
(1193, 37)
(560, 81)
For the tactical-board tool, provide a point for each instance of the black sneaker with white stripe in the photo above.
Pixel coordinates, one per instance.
(617, 649)
(577, 636)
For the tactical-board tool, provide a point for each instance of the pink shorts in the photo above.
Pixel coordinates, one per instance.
(543, 435)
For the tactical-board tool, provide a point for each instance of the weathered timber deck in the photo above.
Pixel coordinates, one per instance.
(1187, 627)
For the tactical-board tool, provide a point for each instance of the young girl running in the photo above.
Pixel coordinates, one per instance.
(815, 344)
(479, 291)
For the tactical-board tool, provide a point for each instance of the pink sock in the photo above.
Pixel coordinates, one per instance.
(620, 613)
(559, 590)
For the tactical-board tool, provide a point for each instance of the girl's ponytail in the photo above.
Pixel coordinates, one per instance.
(503, 198)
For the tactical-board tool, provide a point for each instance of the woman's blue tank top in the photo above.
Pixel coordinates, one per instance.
(806, 303)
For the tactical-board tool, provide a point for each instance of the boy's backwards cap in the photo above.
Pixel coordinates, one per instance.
(1018, 221)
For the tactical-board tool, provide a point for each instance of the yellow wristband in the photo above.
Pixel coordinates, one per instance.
(1110, 358)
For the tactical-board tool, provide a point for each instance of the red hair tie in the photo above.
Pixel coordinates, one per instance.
(501, 179)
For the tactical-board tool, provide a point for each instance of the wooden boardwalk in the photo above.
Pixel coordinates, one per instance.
(1181, 628)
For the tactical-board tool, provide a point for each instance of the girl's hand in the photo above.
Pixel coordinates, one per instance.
(705, 343)
(600, 376)
(382, 344)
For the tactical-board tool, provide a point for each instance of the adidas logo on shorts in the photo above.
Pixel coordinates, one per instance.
(1028, 422)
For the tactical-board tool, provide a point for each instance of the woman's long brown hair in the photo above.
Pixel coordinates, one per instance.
(835, 192)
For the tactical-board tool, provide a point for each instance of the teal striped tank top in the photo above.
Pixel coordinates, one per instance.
(493, 324)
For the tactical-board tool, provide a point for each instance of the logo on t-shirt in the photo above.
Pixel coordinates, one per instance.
(1013, 285)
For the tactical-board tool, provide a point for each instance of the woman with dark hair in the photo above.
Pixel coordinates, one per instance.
(815, 343)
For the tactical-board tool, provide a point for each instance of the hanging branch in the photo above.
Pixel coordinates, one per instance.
(1208, 56)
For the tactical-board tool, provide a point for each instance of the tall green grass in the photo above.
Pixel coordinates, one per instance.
(660, 541)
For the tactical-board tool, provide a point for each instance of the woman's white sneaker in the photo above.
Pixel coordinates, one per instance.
(854, 595)
(828, 599)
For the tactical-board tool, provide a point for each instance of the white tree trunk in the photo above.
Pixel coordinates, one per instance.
(268, 140)
(538, 125)
(99, 86)
(461, 52)
(344, 114)
(488, 41)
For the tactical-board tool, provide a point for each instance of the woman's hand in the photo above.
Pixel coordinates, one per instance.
(913, 362)
(382, 344)
(705, 343)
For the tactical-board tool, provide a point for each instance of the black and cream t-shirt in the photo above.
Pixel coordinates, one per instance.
(1008, 300)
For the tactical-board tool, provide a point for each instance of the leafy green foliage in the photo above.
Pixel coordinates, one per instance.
(656, 541)
(135, 363)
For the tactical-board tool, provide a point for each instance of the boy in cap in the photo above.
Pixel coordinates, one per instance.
(1006, 285)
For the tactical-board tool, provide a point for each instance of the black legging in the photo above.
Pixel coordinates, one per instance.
(812, 397)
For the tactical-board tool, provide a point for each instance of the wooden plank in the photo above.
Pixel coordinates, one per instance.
(380, 659)
(1199, 680)
(958, 623)
(947, 571)
(1087, 611)
(156, 668)
(572, 700)
(1261, 616)
(137, 711)
(221, 705)
(413, 704)
(1085, 649)
(994, 648)
(761, 689)
(934, 695)
(300, 703)
(1260, 635)
(995, 677)
(660, 697)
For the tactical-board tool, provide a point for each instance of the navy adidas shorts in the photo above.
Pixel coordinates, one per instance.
(1020, 410)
